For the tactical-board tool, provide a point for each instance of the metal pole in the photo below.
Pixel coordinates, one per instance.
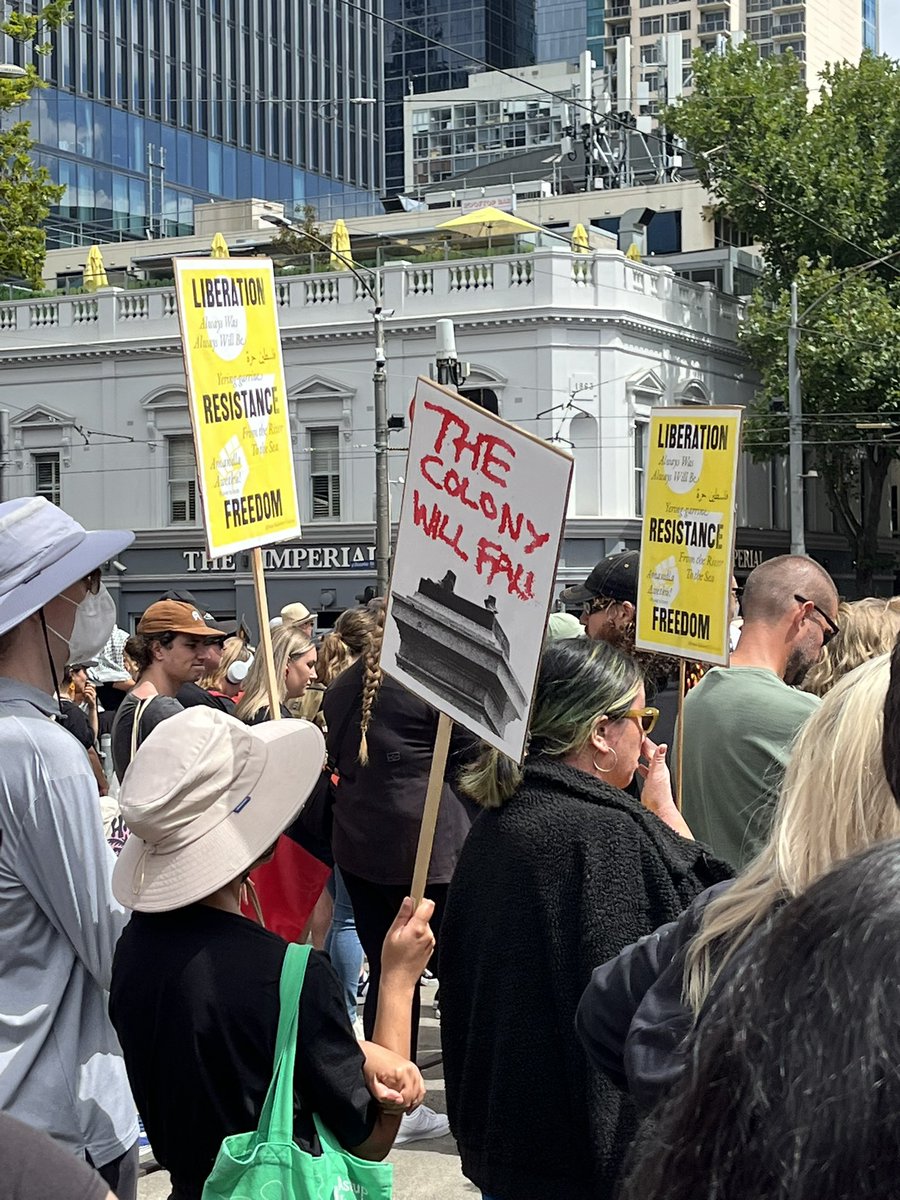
(382, 483)
(4, 450)
(795, 434)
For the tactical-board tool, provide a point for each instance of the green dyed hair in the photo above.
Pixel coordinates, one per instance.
(579, 682)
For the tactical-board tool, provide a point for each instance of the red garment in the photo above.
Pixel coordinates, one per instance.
(288, 888)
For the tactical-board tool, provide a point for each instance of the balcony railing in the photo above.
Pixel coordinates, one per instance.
(789, 27)
(714, 25)
(544, 279)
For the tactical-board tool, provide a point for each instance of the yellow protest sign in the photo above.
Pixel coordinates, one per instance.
(687, 540)
(238, 401)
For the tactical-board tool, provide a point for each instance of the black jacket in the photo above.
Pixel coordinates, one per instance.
(560, 879)
(378, 807)
(632, 1019)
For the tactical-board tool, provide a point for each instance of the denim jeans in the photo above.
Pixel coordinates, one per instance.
(342, 944)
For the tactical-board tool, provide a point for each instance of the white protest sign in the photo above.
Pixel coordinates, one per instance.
(474, 566)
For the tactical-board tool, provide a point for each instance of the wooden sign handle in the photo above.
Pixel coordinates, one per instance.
(432, 806)
(265, 634)
(679, 737)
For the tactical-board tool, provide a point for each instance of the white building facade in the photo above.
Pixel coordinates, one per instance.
(578, 348)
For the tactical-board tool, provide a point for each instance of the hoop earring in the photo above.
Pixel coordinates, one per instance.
(607, 770)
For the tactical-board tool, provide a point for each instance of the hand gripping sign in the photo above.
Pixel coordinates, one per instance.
(473, 574)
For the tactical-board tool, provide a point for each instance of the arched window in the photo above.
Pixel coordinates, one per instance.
(484, 397)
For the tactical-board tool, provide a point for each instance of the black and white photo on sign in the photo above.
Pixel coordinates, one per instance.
(474, 565)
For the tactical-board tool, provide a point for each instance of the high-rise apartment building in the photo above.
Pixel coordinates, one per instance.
(497, 32)
(156, 105)
(817, 31)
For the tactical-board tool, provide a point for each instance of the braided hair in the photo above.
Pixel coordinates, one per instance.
(372, 676)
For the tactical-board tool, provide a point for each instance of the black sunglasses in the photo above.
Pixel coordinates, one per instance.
(832, 630)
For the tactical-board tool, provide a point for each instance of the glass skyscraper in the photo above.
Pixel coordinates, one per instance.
(870, 24)
(560, 29)
(156, 105)
(498, 32)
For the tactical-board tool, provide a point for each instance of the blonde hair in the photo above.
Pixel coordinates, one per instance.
(867, 628)
(235, 650)
(344, 644)
(286, 641)
(372, 677)
(835, 800)
(579, 682)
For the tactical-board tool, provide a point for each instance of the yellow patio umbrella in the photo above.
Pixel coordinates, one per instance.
(488, 222)
(341, 253)
(633, 253)
(219, 247)
(94, 271)
(580, 243)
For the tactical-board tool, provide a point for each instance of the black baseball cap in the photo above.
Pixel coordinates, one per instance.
(614, 578)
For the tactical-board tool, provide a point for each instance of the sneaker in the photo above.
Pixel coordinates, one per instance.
(145, 1152)
(420, 1125)
(363, 986)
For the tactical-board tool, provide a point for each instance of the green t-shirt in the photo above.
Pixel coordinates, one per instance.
(739, 725)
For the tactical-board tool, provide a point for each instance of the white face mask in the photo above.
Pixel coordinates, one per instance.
(94, 623)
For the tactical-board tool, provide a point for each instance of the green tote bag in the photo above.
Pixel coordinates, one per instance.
(267, 1164)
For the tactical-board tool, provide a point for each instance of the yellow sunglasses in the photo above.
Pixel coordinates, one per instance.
(647, 717)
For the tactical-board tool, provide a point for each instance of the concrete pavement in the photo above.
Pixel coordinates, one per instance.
(423, 1170)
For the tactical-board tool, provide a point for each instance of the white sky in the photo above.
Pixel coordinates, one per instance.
(889, 12)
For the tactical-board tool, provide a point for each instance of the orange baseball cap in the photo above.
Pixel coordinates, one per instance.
(172, 616)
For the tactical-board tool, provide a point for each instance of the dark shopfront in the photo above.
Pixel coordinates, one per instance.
(327, 577)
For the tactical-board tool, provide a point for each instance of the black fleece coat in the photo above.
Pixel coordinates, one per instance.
(556, 881)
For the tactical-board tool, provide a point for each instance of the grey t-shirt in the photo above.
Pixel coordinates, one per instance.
(159, 709)
(61, 1067)
(739, 726)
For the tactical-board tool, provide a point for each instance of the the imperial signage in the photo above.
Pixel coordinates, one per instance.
(289, 558)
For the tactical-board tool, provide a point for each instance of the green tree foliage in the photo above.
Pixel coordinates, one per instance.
(26, 190)
(818, 186)
(304, 238)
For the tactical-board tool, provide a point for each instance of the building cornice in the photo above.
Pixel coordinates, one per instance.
(601, 319)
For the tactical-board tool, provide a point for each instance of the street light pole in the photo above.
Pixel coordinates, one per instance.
(795, 434)
(382, 482)
(373, 290)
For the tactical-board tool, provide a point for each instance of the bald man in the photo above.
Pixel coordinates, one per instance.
(740, 721)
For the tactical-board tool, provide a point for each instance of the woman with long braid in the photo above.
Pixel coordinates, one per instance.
(381, 740)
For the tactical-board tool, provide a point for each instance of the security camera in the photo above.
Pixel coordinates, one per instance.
(120, 567)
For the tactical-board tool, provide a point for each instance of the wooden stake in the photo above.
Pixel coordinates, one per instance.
(679, 737)
(265, 634)
(432, 806)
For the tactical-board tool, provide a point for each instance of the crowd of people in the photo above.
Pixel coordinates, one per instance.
(643, 994)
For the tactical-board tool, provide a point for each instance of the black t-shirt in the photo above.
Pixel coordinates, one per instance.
(74, 720)
(189, 695)
(34, 1167)
(158, 710)
(194, 1000)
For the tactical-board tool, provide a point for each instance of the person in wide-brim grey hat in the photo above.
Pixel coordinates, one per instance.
(59, 919)
(608, 596)
(43, 551)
